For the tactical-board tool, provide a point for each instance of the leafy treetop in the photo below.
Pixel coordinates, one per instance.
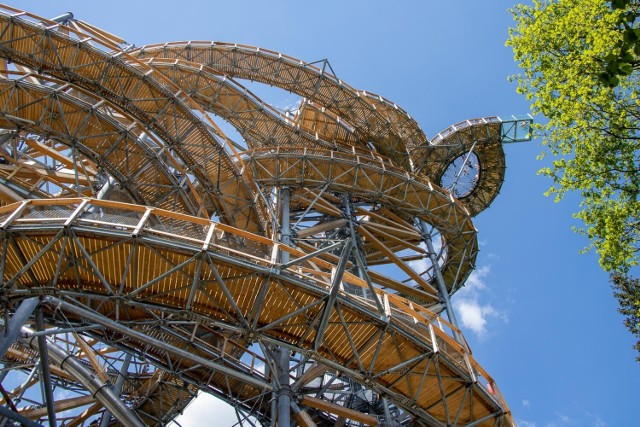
(580, 70)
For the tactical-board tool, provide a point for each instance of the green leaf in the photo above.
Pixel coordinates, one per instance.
(579, 70)
(630, 36)
(624, 69)
(619, 4)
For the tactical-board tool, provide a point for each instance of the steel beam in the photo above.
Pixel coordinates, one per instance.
(56, 331)
(19, 318)
(122, 374)
(284, 391)
(102, 392)
(442, 286)
(333, 294)
(387, 413)
(6, 412)
(311, 255)
(281, 353)
(23, 387)
(118, 327)
(63, 18)
(46, 372)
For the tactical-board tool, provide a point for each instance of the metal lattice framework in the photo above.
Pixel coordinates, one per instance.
(297, 274)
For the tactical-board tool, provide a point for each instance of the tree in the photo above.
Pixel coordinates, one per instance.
(627, 290)
(623, 57)
(581, 72)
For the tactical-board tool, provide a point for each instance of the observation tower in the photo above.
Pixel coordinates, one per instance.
(299, 274)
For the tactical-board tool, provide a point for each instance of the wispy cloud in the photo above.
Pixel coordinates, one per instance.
(561, 420)
(564, 418)
(420, 265)
(290, 103)
(572, 416)
(596, 420)
(470, 304)
(205, 409)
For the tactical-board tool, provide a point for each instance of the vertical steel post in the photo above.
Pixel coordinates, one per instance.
(284, 392)
(285, 228)
(387, 412)
(281, 353)
(46, 371)
(274, 396)
(362, 273)
(442, 286)
(106, 416)
(357, 243)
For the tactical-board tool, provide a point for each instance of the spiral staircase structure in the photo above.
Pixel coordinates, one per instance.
(298, 274)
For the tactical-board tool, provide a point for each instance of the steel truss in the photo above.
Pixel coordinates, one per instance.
(297, 275)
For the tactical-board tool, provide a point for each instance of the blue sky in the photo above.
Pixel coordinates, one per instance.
(539, 317)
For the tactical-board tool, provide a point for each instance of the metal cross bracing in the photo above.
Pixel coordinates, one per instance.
(320, 175)
(146, 95)
(81, 132)
(339, 234)
(392, 348)
(307, 80)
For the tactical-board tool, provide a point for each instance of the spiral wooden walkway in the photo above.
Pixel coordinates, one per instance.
(297, 273)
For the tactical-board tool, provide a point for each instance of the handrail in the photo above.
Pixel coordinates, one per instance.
(397, 304)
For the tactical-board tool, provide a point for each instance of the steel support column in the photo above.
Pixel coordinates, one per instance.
(281, 353)
(19, 318)
(284, 391)
(442, 286)
(46, 371)
(333, 294)
(285, 229)
(122, 374)
(357, 242)
(387, 413)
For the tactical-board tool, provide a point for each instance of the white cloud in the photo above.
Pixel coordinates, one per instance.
(475, 282)
(575, 416)
(596, 420)
(474, 316)
(493, 256)
(565, 419)
(525, 423)
(473, 313)
(207, 410)
(419, 265)
(290, 103)
(561, 420)
(526, 403)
